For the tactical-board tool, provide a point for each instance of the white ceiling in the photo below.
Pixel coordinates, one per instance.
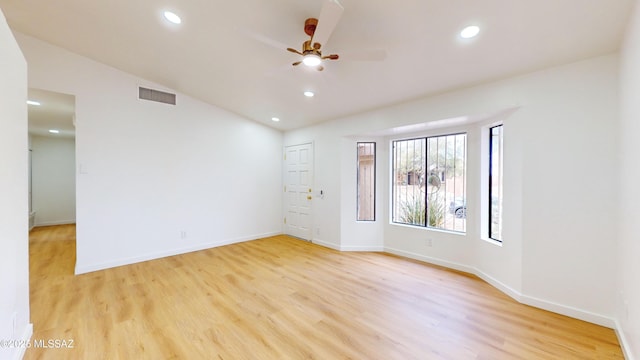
(232, 53)
(55, 112)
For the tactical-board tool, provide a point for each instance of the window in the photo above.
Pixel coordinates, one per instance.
(366, 181)
(429, 181)
(495, 182)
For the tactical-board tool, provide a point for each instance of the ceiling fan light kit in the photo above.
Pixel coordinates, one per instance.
(311, 59)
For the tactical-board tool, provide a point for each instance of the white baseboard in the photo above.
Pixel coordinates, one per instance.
(347, 248)
(513, 293)
(362, 248)
(83, 269)
(326, 244)
(430, 260)
(624, 342)
(53, 223)
(26, 338)
(568, 311)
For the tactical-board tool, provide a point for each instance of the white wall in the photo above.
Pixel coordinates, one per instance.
(154, 179)
(14, 256)
(53, 180)
(628, 304)
(568, 193)
(559, 247)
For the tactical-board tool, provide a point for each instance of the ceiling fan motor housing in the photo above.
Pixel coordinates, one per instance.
(310, 26)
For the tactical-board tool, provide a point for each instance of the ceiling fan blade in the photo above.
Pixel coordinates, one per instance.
(331, 57)
(329, 17)
(364, 55)
(297, 63)
(263, 39)
(294, 51)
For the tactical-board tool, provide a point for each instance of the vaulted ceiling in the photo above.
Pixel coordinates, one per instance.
(233, 53)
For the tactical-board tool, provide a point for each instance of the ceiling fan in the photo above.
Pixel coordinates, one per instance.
(319, 30)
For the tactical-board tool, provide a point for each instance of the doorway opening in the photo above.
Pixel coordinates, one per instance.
(52, 161)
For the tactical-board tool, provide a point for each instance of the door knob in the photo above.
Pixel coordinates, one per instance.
(308, 197)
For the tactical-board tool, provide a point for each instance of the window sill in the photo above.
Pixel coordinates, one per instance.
(424, 228)
(492, 241)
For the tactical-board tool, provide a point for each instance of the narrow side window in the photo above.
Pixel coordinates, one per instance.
(366, 181)
(495, 182)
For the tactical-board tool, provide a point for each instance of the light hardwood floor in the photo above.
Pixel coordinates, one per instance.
(282, 298)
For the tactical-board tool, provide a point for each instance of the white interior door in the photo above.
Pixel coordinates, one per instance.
(298, 190)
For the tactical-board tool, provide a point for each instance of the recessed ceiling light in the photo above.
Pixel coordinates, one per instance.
(309, 93)
(172, 17)
(275, 119)
(54, 131)
(31, 102)
(469, 32)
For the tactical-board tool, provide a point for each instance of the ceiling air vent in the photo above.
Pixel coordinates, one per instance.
(156, 95)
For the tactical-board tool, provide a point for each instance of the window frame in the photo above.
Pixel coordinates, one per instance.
(393, 188)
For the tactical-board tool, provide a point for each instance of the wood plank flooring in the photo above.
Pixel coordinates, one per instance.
(282, 298)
